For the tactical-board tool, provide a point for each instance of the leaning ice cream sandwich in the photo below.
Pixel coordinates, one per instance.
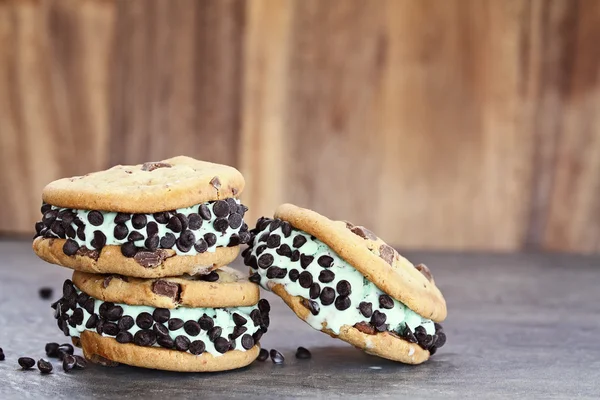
(345, 281)
(177, 216)
(202, 323)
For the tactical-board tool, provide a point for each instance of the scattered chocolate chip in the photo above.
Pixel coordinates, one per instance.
(125, 323)
(144, 320)
(197, 347)
(151, 166)
(211, 239)
(325, 261)
(342, 303)
(161, 217)
(276, 273)
(343, 288)
(44, 366)
(244, 236)
(45, 208)
(200, 246)
(160, 330)
(327, 296)
(182, 343)
(273, 241)
(128, 249)
(52, 349)
(194, 221)
(387, 253)
(294, 274)
(68, 362)
(303, 353)
(206, 322)
(192, 328)
(70, 232)
(366, 309)
(68, 289)
(165, 341)
(313, 306)
(221, 345)
(95, 218)
(120, 231)
(386, 302)
(135, 236)
(45, 293)
(276, 223)
(77, 316)
(378, 318)
(80, 362)
(89, 305)
(58, 229)
(175, 323)
(265, 260)
(298, 241)
(263, 355)
(81, 233)
(314, 291)
(144, 338)
(305, 260)
(26, 362)
(276, 357)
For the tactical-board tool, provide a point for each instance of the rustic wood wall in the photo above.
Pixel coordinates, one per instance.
(441, 124)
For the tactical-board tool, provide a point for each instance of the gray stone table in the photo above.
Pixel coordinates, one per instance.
(519, 326)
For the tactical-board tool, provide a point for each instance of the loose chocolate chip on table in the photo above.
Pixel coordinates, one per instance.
(247, 341)
(138, 221)
(221, 345)
(44, 366)
(206, 322)
(221, 208)
(276, 273)
(378, 318)
(238, 319)
(161, 217)
(327, 296)
(165, 341)
(110, 328)
(284, 250)
(125, 323)
(161, 315)
(263, 355)
(325, 261)
(314, 291)
(204, 212)
(343, 288)
(51, 349)
(197, 347)
(192, 328)
(214, 333)
(26, 362)
(121, 218)
(313, 306)
(255, 277)
(221, 224)
(235, 220)
(305, 279)
(144, 320)
(273, 241)
(366, 309)
(45, 293)
(294, 274)
(326, 276)
(303, 353)
(174, 324)
(276, 357)
(211, 239)
(264, 306)
(166, 288)
(2, 356)
(342, 303)
(182, 343)
(80, 362)
(160, 329)
(134, 236)
(144, 338)
(305, 260)
(174, 224)
(386, 302)
(387, 253)
(69, 363)
(212, 276)
(128, 249)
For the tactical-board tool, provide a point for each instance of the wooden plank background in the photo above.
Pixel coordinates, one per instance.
(441, 124)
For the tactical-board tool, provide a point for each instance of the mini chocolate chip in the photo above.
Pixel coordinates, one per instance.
(160, 329)
(124, 337)
(44, 366)
(432, 350)
(104, 307)
(204, 212)
(211, 239)
(253, 262)
(440, 339)
(68, 289)
(387, 253)
(305, 279)
(408, 335)
(161, 217)
(168, 241)
(186, 241)
(238, 319)
(257, 335)
(152, 242)
(121, 231)
(212, 276)
(128, 249)
(260, 249)
(235, 221)
(263, 238)
(70, 232)
(39, 226)
(343, 288)
(326, 276)
(237, 332)
(58, 229)
(233, 205)
(325, 261)
(138, 221)
(265, 321)
(221, 345)
(255, 277)
(161, 315)
(299, 241)
(51, 349)
(386, 302)
(99, 327)
(302, 353)
(165, 341)
(68, 363)
(92, 321)
(264, 306)
(144, 338)
(197, 347)
(305, 260)
(134, 236)
(194, 221)
(273, 241)
(99, 240)
(206, 322)
(214, 333)
(314, 291)
(312, 306)
(342, 303)
(244, 236)
(184, 221)
(166, 288)
(276, 357)
(152, 229)
(121, 218)
(284, 250)
(114, 313)
(294, 274)
(265, 260)
(221, 224)
(175, 323)
(263, 355)
(70, 247)
(366, 309)
(82, 298)
(426, 342)
(45, 208)
(174, 224)
(77, 316)
(126, 323)
(247, 342)
(81, 233)
(241, 209)
(110, 328)
(286, 229)
(144, 320)
(378, 318)
(182, 343)
(256, 317)
(327, 296)
(192, 328)
(221, 208)
(95, 217)
(200, 246)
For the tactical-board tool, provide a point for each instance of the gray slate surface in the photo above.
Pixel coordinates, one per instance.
(519, 326)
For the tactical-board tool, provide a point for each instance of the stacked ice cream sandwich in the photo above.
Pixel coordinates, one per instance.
(150, 245)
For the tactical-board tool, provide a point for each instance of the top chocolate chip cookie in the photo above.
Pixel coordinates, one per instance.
(169, 184)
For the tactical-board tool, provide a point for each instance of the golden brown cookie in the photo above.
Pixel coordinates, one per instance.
(344, 280)
(145, 264)
(179, 339)
(98, 349)
(224, 287)
(147, 188)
